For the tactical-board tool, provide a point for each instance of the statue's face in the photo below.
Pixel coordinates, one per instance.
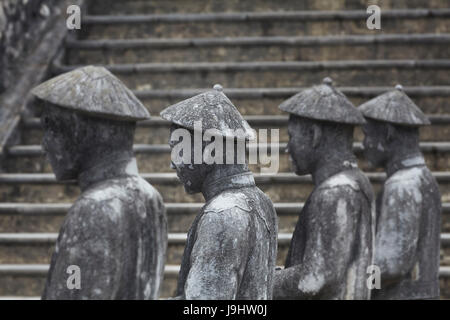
(300, 144)
(58, 143)
(375, 143)
(191, 175)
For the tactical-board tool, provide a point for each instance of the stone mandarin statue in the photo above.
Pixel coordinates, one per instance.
(116, 231)
(232, 244)
(409, 206)
(331, 246)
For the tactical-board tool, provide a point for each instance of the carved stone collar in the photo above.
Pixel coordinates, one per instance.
(408, 162)
(328, 171)
(236, 181)
(109, 168)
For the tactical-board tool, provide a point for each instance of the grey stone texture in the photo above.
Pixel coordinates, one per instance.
(213, 110)
(394, 107)
(231, 248)
(232, 244)
(116, 231)
(319, 103)
(19, 20)
(407, 247)
(93, 90)
(332, 244)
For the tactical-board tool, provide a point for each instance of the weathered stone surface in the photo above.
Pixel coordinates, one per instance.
(407, 247)
(394, 107)
(320, 103)
(213, 110)
(408, 228)
(19, 21)
(116, 231)
(95, 91)
(232, 244)
(331, 246)
(231, 248)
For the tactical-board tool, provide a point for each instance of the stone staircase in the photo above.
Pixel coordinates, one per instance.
(262, 52)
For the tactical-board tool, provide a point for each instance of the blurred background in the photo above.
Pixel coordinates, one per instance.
(261, 52)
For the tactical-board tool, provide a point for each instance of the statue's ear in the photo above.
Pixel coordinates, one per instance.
(317, 135)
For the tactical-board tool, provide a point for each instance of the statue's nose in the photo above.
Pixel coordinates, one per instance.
(172, 165)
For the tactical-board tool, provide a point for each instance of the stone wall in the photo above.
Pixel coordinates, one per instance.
(20, 23)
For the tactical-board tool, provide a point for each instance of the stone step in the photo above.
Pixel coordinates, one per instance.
(433, 100)
(194, 6)
(26, 248)
(250, 49)
(280, 74)
(282, 187)
(47, 218)
(156, 130)
(157, 157)
(28, 281)
(260, 24)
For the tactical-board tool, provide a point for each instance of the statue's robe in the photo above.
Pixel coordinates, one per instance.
(116, 233)
(332, 244)
(232, 244)
(408, 233)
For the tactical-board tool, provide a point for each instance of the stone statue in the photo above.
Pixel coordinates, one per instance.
(409, 206)
(114, 237)
(232, 244)
(331, 247)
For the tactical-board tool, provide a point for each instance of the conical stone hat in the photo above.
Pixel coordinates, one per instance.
(395, 107)
(213, 110)
(93, 90)
(323, 102)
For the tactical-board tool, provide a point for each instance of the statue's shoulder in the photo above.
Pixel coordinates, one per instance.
(145, 187)
(100, 203)
(341, 180)
(407, 183)
(229, 200)
(121, 188)
(227, 214)
(407, 177)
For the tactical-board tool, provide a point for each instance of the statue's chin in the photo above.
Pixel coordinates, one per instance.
(298, 171)
(63, 174)
(190, 190)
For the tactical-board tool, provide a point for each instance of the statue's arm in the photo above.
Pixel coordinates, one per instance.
(397, 231)
(330, 234)
(90, 240)
(219, 255)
